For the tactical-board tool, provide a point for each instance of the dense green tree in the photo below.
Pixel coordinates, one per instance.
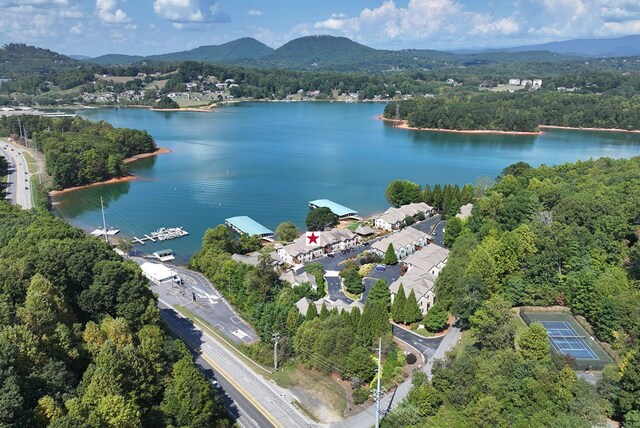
(287, 231)
(402, 192)
(380, 293)
(352, 279)
(361, 364)
(452, 230)
(436, 319)
(312, 312)
(190, 399)
(533, 344)
(398, 306)
(412, 312)
(320, 218)
(166, 103)
(390, 257)
(491, 324)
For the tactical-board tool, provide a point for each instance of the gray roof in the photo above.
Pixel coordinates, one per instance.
(248, 225)
(339, 210)
(465, 211)
(328, 237)
(364, 230)
(399, 239)
(428, 257)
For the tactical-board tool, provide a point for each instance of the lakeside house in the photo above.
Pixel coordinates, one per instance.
(297, 279)
(393, 218)
(423, 267)
(338, 304)
(405, 242)
(329, 241)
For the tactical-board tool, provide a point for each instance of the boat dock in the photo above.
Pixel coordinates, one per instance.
(100, 232)
(162, 234)
(244, 224)
(340, 210)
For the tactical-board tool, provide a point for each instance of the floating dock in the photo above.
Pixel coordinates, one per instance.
(243, 224)
(162, 234)
(340, 210)
(100, 232)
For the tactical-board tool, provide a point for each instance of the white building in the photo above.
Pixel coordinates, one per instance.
(405, 242)
(424, 266)
(514, 82)
(393, 218)
(537, 83)
(329, 241)
(158, 273)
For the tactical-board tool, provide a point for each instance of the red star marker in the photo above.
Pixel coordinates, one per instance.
(313, 238)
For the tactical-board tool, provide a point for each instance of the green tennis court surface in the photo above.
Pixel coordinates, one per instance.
(567, 337)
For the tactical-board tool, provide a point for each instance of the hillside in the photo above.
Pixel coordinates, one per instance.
(115, 59)
(245, 48)
(620, 46)
(18, 60)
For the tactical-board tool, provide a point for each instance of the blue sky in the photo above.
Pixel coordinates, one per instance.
(96, 27)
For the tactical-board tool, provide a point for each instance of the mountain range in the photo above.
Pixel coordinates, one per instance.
(341, 53)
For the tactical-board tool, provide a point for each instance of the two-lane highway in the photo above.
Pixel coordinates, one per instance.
(17, 189)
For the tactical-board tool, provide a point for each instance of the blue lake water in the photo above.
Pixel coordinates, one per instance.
(268, 160)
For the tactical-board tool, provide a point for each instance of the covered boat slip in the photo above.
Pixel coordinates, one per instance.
(340, 210)
(164, 255)
(244, 224)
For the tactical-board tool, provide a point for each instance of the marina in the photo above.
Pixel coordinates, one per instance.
(162, 234)
(244, 224)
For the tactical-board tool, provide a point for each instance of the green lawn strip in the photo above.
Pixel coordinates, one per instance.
(351, 296)
(31, 162)
(353, 226)
(423, 332)
(227, 344)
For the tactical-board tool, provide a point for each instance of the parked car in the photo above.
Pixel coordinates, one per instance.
(380, 267)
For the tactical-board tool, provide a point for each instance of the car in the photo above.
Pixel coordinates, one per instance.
(435, 232)
(331, 255)
(380, 268)
(216, 385)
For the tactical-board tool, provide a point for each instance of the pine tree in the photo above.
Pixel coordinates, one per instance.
(379, 293)
(354, 318)
(412, 312)
(324, 312)
(533, 344)
(397, 309)
(427, 196)
(312, 312)
(365, 326)
(390, 256)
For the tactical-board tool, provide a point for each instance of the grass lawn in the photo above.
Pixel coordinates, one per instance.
(423, 332)
(353, 226)
(31, 162)
(318, 385)
(351, 296)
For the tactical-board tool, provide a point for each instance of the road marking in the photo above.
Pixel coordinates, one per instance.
(259, 407)
(239, 334)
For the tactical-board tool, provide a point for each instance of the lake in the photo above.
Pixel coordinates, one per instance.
(268, 160)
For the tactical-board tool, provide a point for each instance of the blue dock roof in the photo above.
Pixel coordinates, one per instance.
(339, 210)
(244, 224)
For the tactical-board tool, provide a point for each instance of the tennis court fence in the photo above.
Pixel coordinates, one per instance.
(523, 310)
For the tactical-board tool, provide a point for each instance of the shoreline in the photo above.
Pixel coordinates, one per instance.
(576, 128)
(126, 178)
(205, 109)
(404, 124)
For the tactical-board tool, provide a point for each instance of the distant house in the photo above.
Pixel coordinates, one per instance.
(525, 82)
(364, 231)
(393, 218)
(465, 211)
(423, 267)
(405, 242)
(537, 83)
(329, 241)
(514, 82)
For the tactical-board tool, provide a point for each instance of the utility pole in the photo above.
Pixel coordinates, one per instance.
(276, 337)
(104, 223)
(378, 388)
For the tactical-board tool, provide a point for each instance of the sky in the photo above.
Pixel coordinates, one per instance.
(146, 27)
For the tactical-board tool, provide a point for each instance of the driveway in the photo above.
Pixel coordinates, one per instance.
(334, 289)
(427, 346)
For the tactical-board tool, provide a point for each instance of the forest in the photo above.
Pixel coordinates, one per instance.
(520, 112)
(79, 151)
(81, 341)
(564, 235)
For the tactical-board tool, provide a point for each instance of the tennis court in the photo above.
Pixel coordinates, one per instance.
(565, 340)
(568, 337)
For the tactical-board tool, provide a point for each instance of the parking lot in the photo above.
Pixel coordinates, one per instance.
(390, 273)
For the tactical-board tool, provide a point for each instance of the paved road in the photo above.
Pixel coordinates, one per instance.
(18, 181)
(447, 344)
(209, 303)
(240, 408)
(334, 288)
(431, 224)
(427, 346)
(264, 404)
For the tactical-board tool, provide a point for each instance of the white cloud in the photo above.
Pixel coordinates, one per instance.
(254, 12)
(77, 29)
(108, 12)
(189, 14)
